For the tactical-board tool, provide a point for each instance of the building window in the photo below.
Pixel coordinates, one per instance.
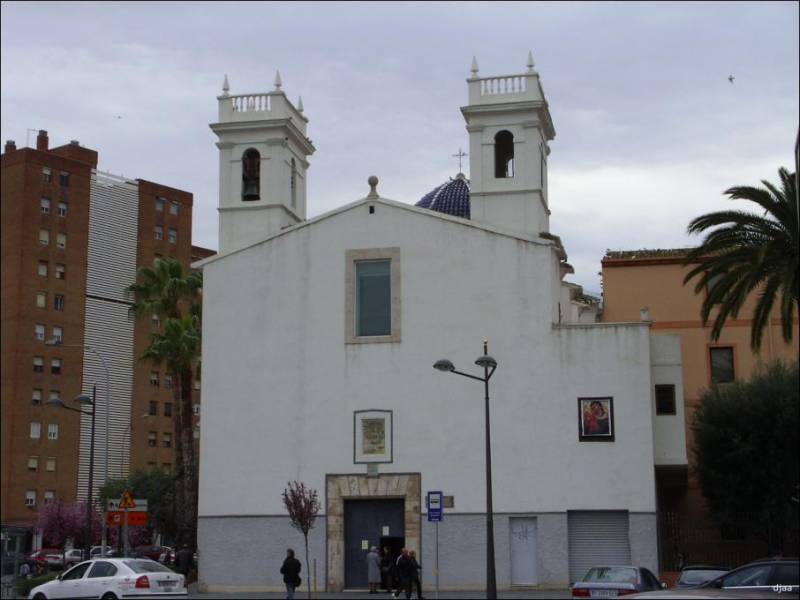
(159, 204)
(33, 463)
(61, 271)
(167, 409)
(61, 240)
(158, 232)
(195, 409)
(41, 299)
(42, 268)
(30, 498)
(58, 334)
(58, 303)
(173, 207)
(251, 175)
(62, 209)
(55, 366)
(63, 179)
(168, 381)
(153, 408)
(49, 496)
(38, 364)
(166, 440)
(36, 430)
(503, 154)
(44, 237)
(51, 463)
(52, 431)
(293, 183)
(155, 321)
(36, 397)
(173, 236)
(47, 175)
(55, 395)
(722, 364)
(196, 433)
(44, 206)
(154, 378)
(665, 399)
(151, 439)
(372, 295)
(196, 383)
(38, 332)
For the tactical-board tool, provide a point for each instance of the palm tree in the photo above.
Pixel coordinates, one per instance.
(746, 251)
(165, 291)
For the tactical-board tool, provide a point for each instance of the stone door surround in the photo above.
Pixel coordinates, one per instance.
(339, 488)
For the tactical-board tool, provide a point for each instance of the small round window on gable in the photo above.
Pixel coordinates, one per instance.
(251, 175)
(504, 154)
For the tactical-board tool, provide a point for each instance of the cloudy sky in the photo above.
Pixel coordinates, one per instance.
(649, 131)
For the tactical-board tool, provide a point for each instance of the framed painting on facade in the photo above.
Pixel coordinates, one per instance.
(596, 419)
(372, 436)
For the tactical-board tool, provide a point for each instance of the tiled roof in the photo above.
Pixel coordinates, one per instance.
(451, 198)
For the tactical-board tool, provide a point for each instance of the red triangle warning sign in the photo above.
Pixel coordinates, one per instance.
(126, 500)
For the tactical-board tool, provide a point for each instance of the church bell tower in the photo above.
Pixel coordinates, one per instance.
(509, 129)
(262, 165)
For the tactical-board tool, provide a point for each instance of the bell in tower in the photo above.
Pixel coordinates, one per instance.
(251, 175)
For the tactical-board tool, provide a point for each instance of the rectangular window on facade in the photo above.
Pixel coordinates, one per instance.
(63, 179)
(61, 240)
(168, 381)
(38, 332)
(196, 433)
(58, 302)
(153, 408)
(195, 409)
(47, 175)
(158, 232)
(373, 298)
(665, 399)
(151, 439)
(62, 209)
(44, 206)
(167, 409)
(58, 334)
(722, 364)
(51, 463)
(173, 207)
(36, 397)
(159, 204)
(155, 321)
(55, 366)
(154, 378)
(166, 440)
(44, 237)
(36, 430)
(49, 496)
(196, 384)
(42, 268)
(41, 299)
(33, 463)
(61, 271)
(38, 364)
(30, 498)
(52, 431)
(173, 236)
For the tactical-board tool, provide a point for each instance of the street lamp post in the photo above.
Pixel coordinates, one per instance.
(87, 535)
(489, 365)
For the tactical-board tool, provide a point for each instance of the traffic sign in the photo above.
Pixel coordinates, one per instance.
(126, 500)
(141, 505)
(434, 502)
(116, 518)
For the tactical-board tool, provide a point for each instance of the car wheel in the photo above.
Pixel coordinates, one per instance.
(109, 596)
(40, 596)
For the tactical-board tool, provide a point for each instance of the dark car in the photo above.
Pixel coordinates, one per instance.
(610, 582)
(151, 552)
(697, 575)
(779, 575)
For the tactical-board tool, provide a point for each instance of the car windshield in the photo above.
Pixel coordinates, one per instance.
(611, 575)
(698, 576)
(147, 566)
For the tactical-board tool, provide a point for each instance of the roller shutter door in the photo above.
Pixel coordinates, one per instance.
(597, 539)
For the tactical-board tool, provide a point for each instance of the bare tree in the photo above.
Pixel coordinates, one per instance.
(302, 504)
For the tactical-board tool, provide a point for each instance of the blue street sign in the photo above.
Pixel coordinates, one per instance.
(434, 502)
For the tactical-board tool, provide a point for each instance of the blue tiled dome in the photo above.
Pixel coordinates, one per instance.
(451, 198)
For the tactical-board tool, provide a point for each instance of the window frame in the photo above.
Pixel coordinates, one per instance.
(152, 439)
(174, 207)
(34, 400)
(52, 431)
(62, 271)
(39, 331)
(38, 368)
(159, 206)
(44, 206)
(30, 497)
(42, 268)
(63, 209)
(55, 369)
(49, 497)
(51, 460)
(44, 237)
(58, 334)
(47, 175)
(158, 232)
(36, 426)
(58, 302)
(172, 235)
(61, 240)
(373, 254)
(41, 299)
(33, 463)
(711, 349)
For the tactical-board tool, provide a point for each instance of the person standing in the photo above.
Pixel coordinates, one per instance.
(386, 570)
(291, 573)
(183, 561)
(373, 570)
(415, 577)
(405, 570)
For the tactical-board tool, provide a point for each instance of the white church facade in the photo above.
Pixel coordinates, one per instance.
(319, 337)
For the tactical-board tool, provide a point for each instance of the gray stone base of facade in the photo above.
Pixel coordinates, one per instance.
(244, 554)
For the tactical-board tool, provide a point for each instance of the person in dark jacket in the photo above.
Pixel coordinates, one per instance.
(183, 560)
(291, 573)
(406, 571)
(386, 570)
(415, 577)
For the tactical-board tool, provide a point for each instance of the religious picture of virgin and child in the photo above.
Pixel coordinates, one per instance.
(596, 417)
(372, 436)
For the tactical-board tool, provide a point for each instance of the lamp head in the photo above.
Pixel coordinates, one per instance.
(486, 361)
(83, 399)
(444, 365)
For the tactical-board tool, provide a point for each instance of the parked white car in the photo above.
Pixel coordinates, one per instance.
(73, 557)
(112, 579)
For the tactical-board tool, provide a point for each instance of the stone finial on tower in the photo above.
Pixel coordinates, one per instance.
(474, 68)
(225, 86)
(278, 82)
(530, 62)
(373, 187)
(300, 104)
